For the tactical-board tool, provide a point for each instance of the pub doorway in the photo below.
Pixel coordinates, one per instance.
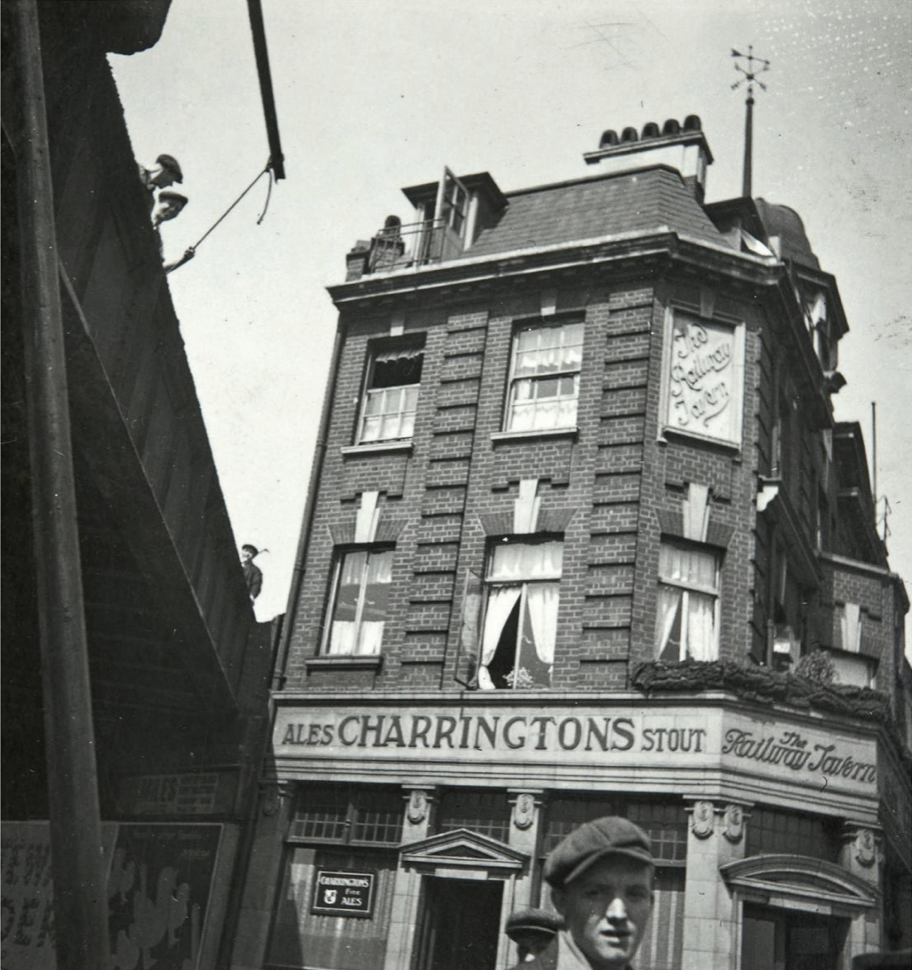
(459, 925)
(779, 939)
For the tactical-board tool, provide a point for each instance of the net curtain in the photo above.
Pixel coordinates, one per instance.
(695, 610)
(515, 563)
(364, 588)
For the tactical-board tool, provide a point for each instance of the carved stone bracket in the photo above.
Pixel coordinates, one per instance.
(524, 806)
(524, 811)
(419, 800)
(702, 820)
(733, 823)
(863, 844)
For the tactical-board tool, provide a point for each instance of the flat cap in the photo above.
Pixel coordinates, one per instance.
(532, 921)
(592, 841)
(166, 195)
(170, 162)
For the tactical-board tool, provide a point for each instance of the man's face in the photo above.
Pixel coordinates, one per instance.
(529, 943)
(163, 177)
(606, 909)
(246, 555)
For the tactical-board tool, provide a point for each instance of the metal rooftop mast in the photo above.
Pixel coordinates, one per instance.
(750, 76)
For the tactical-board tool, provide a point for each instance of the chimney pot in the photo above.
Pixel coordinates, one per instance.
(693, 123)
(629, 134)
(671, 127)
(609, 137)
(650, 130)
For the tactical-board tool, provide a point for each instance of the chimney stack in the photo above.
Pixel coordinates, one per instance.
(682, 147)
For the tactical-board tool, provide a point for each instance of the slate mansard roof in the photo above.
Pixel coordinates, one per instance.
(641, 201)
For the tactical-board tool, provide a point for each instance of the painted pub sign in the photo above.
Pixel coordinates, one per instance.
(339, 892)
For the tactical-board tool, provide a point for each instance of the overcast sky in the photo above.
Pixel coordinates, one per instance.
(375, 95)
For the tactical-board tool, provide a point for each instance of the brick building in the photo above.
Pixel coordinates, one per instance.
(580, 509)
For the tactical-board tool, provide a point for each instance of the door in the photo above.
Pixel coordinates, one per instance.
(459, 926)
(778, 939)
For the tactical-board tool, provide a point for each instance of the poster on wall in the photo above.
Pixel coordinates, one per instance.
(27, 914)
(342, 893)
(159, 886)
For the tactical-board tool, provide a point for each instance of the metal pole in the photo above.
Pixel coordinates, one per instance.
(874, 459)
(261, 52)
(748, 145)
(80, 897)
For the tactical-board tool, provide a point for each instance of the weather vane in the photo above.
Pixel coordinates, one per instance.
(755, 66)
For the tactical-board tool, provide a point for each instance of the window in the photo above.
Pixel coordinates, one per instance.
(772, 831)
(545, 377)
(487, 812)
(664, 822)
(666, 825)
(453, 203)
(338, 813)
(391, 396)
(520, 625)
(361, 592)
(564, 815)
(686, 624)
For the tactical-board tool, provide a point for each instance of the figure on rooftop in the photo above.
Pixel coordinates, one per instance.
(164, 173)
(170, 205)
(253, 575)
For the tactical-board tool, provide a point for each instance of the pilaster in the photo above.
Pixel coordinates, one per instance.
(860, 853)
(525, 820)
(715, 837)
(403, 926)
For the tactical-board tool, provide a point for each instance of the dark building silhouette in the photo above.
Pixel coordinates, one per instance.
(178, 665)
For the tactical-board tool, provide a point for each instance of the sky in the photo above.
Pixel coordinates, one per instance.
(376, 95)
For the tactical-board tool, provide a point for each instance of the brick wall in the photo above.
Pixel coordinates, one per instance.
(612, 486)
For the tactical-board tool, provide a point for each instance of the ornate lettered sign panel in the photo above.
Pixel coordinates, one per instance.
(703, 378)
(681, 745)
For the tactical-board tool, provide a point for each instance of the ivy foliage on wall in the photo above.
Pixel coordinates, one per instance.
(806, 688)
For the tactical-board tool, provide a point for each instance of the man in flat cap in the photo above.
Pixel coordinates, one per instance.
(253, 575)
(170, 206)
(601, 877)
(533, 931)
(164, 173)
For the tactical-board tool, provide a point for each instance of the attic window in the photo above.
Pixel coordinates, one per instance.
(452, 203)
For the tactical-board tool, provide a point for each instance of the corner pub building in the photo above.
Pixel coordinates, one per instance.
(580, 509)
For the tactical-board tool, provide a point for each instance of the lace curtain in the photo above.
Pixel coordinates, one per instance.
(363, 588)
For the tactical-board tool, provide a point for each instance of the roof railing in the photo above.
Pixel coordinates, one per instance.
(414, 245)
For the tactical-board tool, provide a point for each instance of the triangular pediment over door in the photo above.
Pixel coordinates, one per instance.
(464, 849)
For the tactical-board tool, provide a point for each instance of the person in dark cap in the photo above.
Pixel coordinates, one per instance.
(164, 173)
(170, 206)
(533, 931)
(602, 878)
(253, 575)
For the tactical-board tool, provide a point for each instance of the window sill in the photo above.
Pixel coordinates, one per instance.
(377, 446)
(534, 434)
(732, 448)
(366, 661)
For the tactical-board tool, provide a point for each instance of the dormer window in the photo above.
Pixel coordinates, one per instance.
(452, 203)
(449, 215)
